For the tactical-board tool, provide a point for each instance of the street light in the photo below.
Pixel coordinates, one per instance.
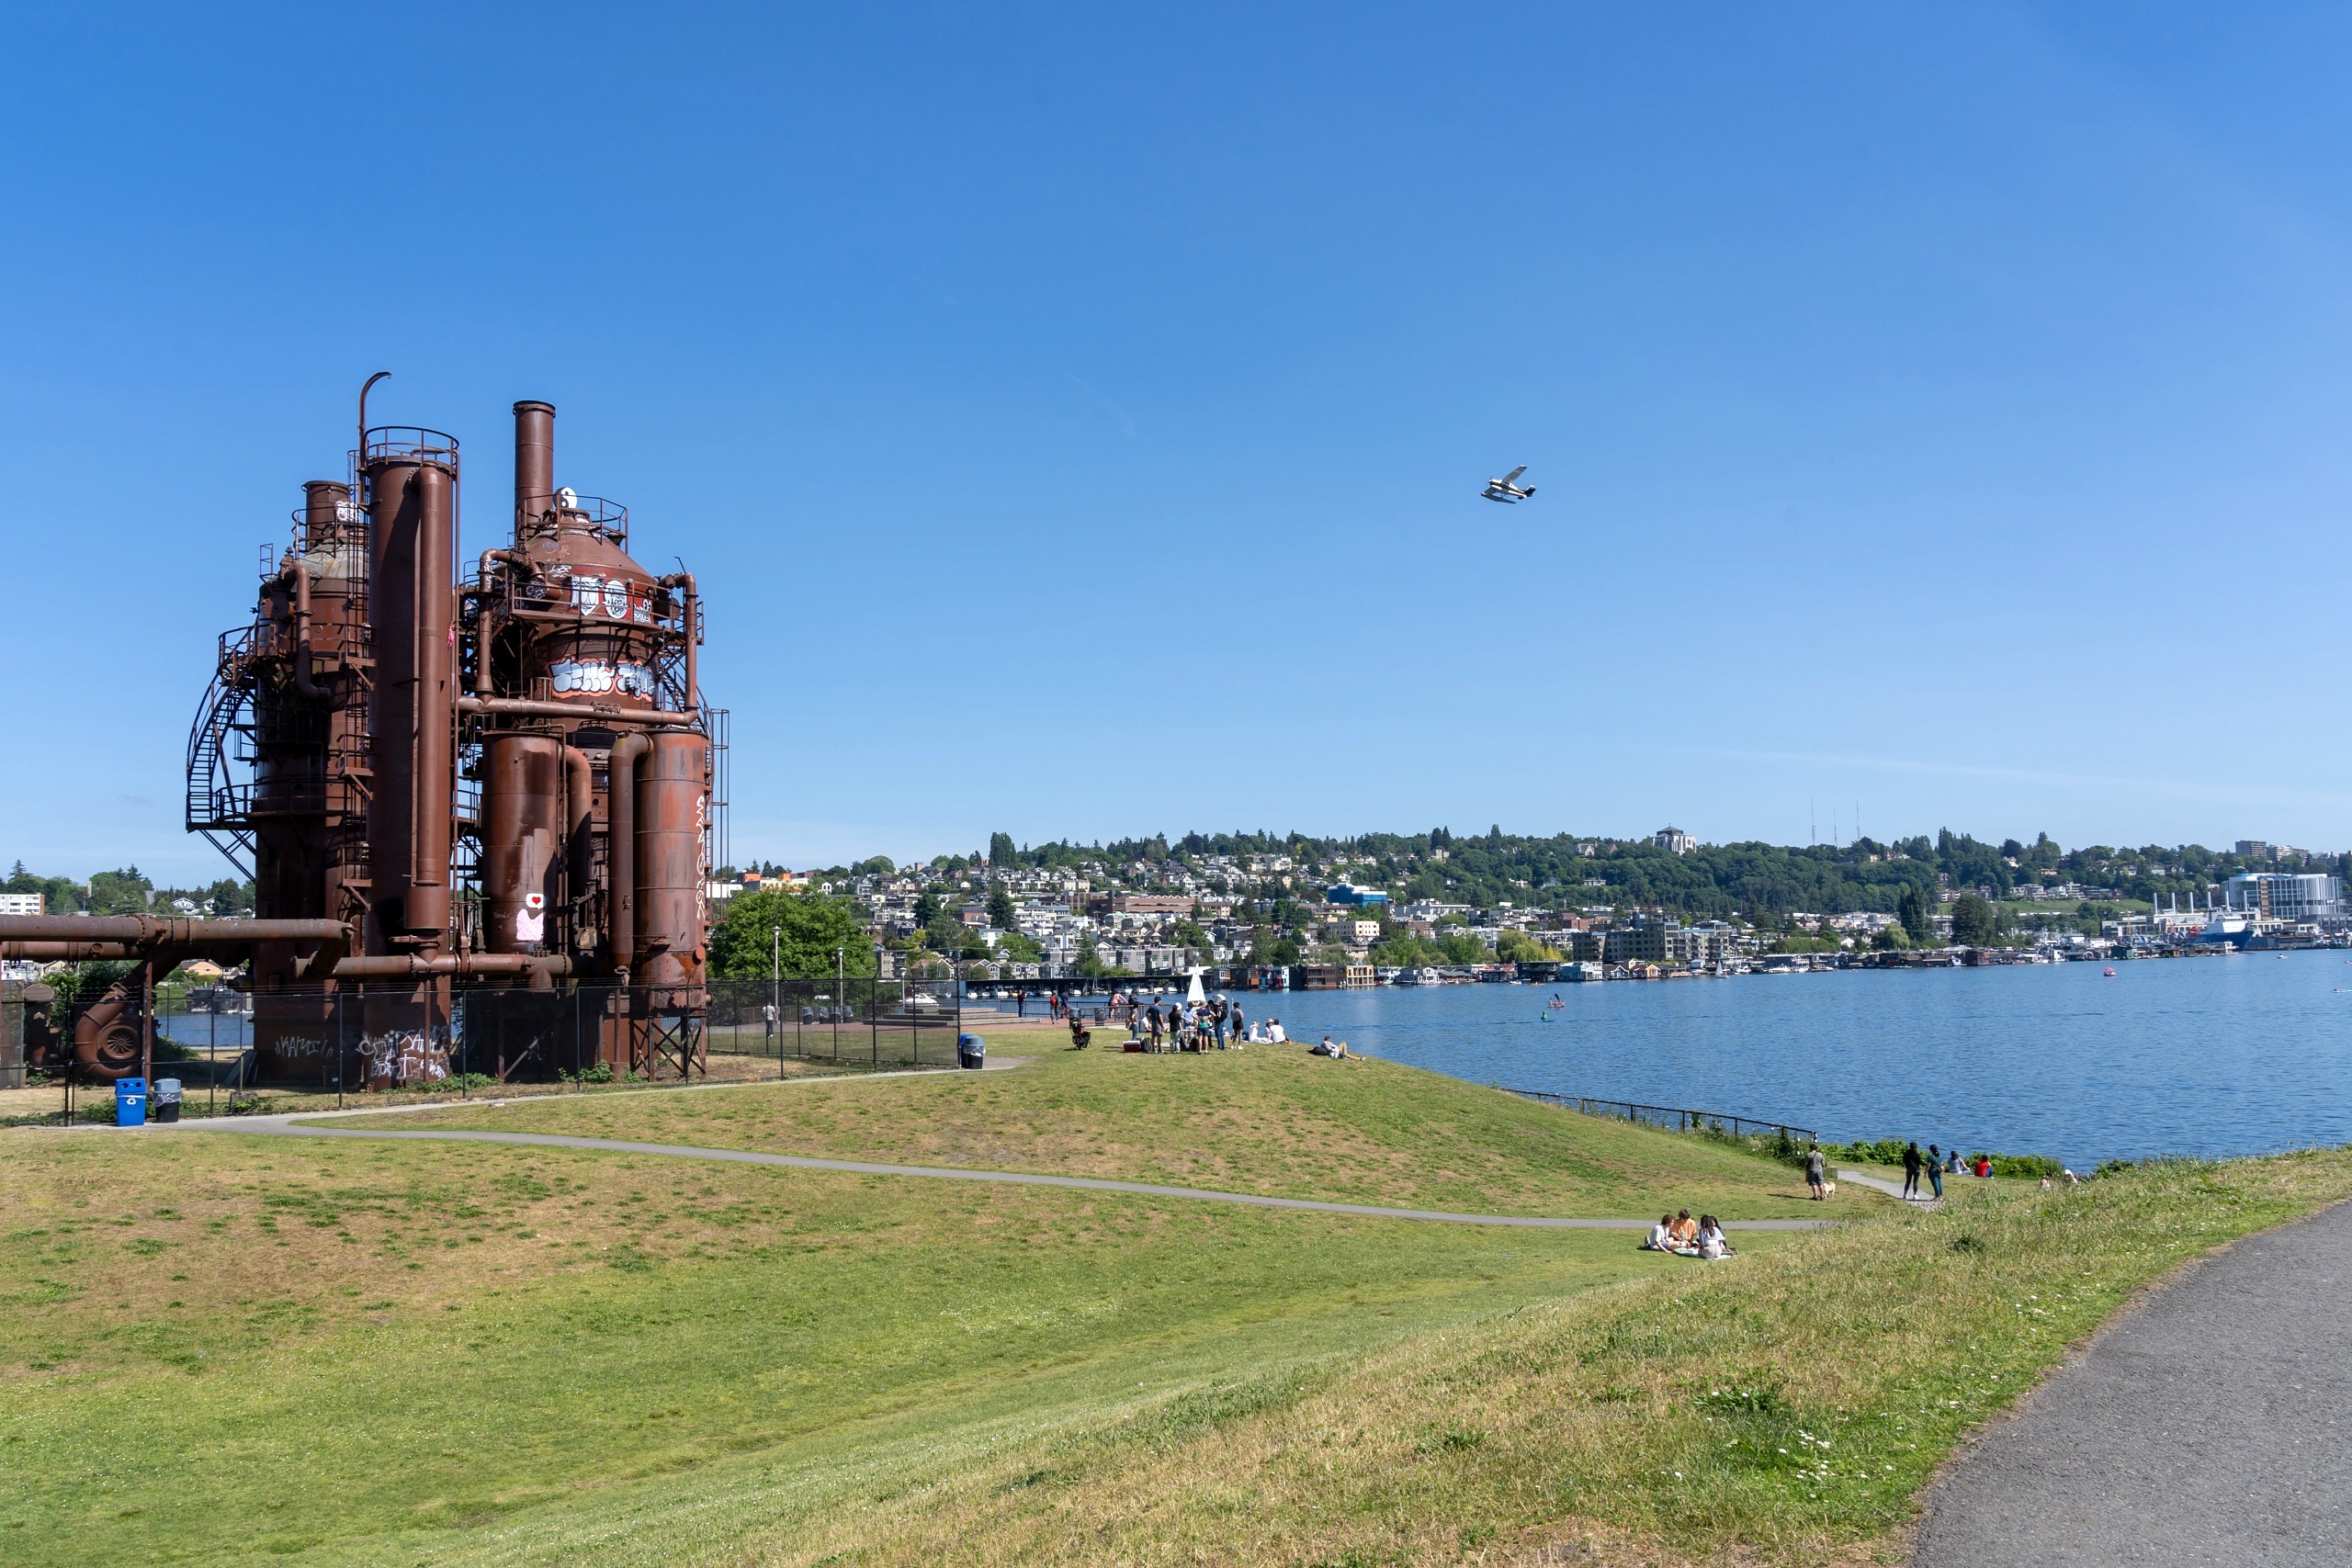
(775, 993)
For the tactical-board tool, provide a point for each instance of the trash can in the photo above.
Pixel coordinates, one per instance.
(131, 1102)
(167, 1099)
(971, 1051)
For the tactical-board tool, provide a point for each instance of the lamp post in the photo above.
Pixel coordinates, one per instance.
(775, 993)
(841, 997)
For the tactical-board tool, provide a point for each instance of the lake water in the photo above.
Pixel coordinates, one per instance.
(2194, 1056)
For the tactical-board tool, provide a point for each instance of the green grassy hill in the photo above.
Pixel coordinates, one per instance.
(219, 1345)
(1266, 1120)
(219, 1349)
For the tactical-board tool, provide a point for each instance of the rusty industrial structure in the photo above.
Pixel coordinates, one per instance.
(492, 794)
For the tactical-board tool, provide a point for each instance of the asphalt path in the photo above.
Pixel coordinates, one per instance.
(311, 1127)
(2211, 1425)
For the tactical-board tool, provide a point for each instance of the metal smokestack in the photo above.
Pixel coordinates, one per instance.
(534, 461)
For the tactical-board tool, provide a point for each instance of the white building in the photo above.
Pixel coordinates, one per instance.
(24, 903)
(2285, 895)
(1674, 841)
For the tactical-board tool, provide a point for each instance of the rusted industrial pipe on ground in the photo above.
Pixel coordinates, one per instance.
(620, 859)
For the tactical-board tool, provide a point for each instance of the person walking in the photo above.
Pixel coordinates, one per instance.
(767, 1019)
(1911, 1164)
(1816, 1177)
(1936, 1171)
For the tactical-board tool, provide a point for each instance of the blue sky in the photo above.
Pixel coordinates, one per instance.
(1076, 413)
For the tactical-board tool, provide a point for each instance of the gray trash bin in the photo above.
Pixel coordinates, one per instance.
(166, 1103)
(971, 1051)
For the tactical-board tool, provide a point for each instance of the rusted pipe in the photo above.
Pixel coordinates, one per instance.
(66, 952)
(578, 805)
(519, 708)
(406, 966)
(296, 576)
(519, 562)
(149, 931)
(620, 858)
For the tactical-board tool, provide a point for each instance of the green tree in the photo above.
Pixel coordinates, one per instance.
(813, 926)
(1001, 849)
(1014, 948)
(1972, 924)
(124, 892)
(1186, 933)
(1460, 947)
(952, 938)
(1001, 906)
(1891, 939)
(1911, 908)
(1518, 947)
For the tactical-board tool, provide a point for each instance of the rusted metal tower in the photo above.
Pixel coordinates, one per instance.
(488, 802)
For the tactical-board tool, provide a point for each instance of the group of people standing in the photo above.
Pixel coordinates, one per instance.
(1205, 1025)
(1936, 1163)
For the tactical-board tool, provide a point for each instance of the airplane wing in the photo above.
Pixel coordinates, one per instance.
(1513, 478)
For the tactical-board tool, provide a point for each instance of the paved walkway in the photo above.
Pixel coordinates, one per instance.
(2212, 1425)
(294, 1126)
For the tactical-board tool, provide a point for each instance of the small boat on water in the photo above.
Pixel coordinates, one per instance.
(2110, 971)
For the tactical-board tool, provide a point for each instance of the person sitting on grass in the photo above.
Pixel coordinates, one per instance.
(1661, 1236)
(1713, 1243)
(1683, 1235)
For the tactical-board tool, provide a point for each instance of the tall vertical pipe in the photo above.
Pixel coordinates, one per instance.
(534, 461)
(411, 560)
(620, 863)
(578, 805)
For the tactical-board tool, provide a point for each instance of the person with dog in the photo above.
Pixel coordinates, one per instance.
(1817, 1174)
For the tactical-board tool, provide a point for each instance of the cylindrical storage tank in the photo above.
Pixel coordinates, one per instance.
(672, 811)
(325, 504)
(522, 840)
(411, 550)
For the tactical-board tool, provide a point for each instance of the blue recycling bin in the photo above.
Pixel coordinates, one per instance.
(971, 1051)
(131, 1102)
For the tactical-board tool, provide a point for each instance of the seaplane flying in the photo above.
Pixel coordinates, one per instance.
(1507, 490)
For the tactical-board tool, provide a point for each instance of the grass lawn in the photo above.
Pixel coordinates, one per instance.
(1270, 1120)
(221, 1348)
